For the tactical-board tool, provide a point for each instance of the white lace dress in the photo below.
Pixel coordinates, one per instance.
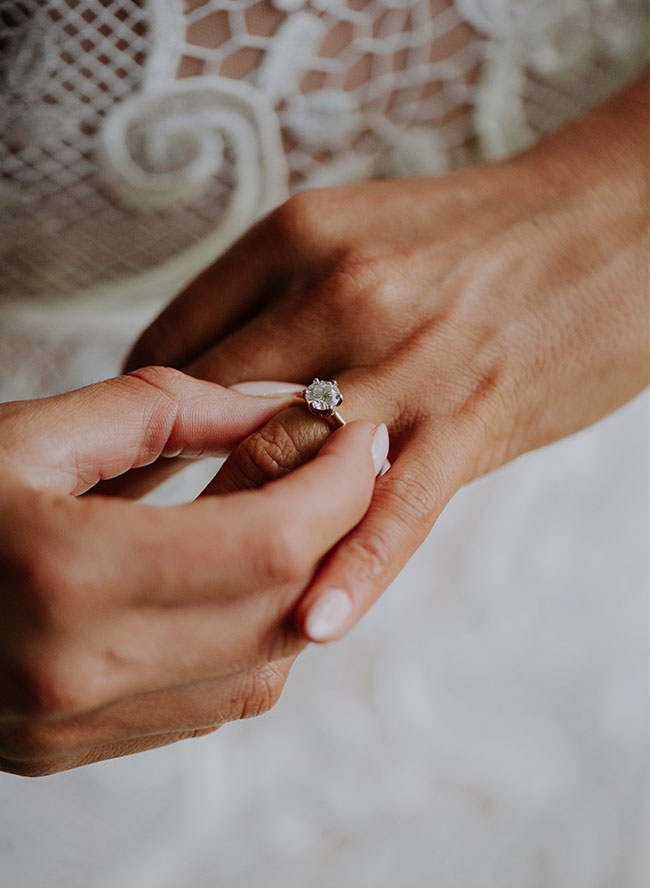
(486, 725)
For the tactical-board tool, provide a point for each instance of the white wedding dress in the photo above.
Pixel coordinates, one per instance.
(486, 725)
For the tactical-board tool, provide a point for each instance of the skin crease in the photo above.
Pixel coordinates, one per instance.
(124, 626)
(480, 315)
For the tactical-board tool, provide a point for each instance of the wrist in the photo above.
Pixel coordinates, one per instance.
(605, 150)
(566, 282)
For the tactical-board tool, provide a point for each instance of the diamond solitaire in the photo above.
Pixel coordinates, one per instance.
(322, 398)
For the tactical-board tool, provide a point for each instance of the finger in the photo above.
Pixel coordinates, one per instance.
(194, 552)
(216, 302)
(69, 442)
(282, 342)
(134, 722)
(138, 482)
(209, 587)
(406, 503)
(294, 436)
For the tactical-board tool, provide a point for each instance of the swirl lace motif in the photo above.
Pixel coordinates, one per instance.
(131, 129)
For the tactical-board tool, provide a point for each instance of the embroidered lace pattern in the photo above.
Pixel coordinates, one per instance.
(130, 130)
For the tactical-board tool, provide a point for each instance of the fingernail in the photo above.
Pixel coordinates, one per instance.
(379, 447)
(328, 616)
(266, 388)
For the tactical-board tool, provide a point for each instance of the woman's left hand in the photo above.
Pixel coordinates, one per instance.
(480, 315)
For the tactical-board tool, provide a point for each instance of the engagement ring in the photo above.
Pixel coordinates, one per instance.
(322, 398)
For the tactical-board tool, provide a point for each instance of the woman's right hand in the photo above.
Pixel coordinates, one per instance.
(124, 626)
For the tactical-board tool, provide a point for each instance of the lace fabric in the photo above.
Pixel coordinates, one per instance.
(131, 130)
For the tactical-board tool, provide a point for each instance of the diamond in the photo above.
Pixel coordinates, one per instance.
(323, 397)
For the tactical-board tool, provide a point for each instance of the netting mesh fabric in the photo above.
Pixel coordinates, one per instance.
(130, 130)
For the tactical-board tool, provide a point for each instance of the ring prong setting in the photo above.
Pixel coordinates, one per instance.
(322, 397)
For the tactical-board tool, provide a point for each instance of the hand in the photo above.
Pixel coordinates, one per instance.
(480, 315)
(124, 626)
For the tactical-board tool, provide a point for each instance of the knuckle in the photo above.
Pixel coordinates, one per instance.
(50, 587)
(164, 379)
(262, 689)
(268, 454)
(416, 501)
(28, 768)
(53, 683)
(273, 453)
(299, 220)
(358, 285)
(162, 384)
(413, 503)
(369, 551)
(33, 742)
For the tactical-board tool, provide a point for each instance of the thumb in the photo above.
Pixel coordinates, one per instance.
(70, 442)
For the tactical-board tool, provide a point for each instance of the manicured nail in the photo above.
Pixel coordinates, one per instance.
(379, 447)
(328, 616)
(267, 388)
